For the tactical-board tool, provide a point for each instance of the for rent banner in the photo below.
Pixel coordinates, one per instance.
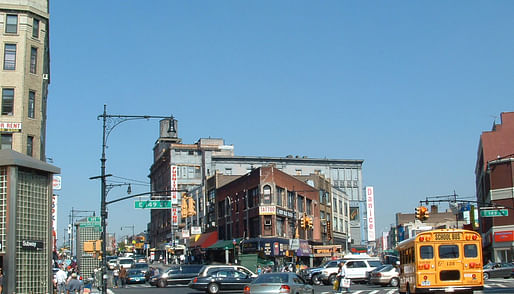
(370, 207)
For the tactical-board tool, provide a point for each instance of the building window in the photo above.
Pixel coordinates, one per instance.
(290, 200)
(280, 196)
(33, 60)
(266, 194)
(6, 142)
(35, 28)
(309, 207)
(32, 103)
(10, 57)
(228, 171)
(7, 101)
(11, 25)
(298, 172)
(300, 204)
(30, 145)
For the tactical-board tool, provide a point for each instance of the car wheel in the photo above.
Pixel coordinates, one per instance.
(394, 282)
(332, 279)
(161, 284)
(213, 288)
(486, 276)
(315, 280)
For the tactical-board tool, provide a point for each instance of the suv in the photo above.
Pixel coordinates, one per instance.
(209, 269)
(312, 275)
(176, 274)
(355, 269)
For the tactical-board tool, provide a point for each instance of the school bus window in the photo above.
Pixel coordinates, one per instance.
(426, 252)
(470, 250)
(448, 251)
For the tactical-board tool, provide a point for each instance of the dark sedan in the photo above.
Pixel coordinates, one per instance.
(135, 276)
(176, 274)
(221, 280)
(498, 270)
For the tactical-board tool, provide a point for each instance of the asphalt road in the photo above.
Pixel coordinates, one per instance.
(491, 286)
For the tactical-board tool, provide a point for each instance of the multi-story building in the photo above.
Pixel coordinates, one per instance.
(24, 75)
(495, 189)
(195, 163)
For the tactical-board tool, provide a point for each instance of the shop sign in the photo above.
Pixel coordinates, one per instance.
(323, 251)
(304, 250)
(504, 236)
(32, 245)
(196, 230)
(267, 248)
(294, 244)
(12, 127)
(267, 210)
(185, 234)
(286, 213)
(250, 247)
(174, 184)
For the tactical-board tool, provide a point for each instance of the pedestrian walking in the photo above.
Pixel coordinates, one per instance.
(116, 276)
(74, 286)
(60, 278)
(1, 281)
(341, 279)
(259, 269)
(123, 276)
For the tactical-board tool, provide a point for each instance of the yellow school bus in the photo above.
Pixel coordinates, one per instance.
(445, 260)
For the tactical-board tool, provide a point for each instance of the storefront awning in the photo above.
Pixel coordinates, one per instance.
(224, 244)
(205, 240)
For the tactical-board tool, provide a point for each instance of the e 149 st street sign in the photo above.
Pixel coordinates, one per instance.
(494, 212)
(153, 204)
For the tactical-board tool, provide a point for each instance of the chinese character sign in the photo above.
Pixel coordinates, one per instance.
(174, 216)
(174, 184)
(370, 207)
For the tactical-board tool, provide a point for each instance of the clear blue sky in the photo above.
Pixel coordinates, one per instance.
(408, 86)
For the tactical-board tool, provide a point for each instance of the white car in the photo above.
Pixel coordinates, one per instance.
(125, 262)
(355, 269)
(112, 263)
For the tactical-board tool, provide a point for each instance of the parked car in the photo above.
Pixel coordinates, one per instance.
(355, 269)
(125, 262)
(312, 275)
(207, 270)
(498, 270)
(388, 275)
(135, 276)
(221, 280)
(176, 274)
(139, 258)
(284, 282)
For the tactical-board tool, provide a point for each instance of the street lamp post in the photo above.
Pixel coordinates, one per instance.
(113, 120)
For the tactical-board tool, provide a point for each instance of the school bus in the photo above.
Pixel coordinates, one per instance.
(444, 260)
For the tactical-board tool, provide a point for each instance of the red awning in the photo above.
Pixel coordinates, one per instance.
(205, 240)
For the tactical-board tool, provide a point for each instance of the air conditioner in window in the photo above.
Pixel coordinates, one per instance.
(45, 76)
(267, 222)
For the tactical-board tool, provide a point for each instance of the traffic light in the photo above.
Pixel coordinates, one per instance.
(418, 212)
(329, 230)
(309, 223)
(423, 212)
(89, 246)
(191, 206)
(184, 206)
(98, 245)
(427, 215)
(302, 222)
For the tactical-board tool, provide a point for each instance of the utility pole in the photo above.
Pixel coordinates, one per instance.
(109, 122)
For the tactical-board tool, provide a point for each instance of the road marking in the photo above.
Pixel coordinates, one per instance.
(501, 285)
(392, 291)
(373, 292)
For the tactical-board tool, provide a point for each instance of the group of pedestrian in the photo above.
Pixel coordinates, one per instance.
(67, 283)
(263, 270)
(119, 277)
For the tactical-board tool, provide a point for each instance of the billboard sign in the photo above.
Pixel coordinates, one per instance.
(174, 184)
(370, 208)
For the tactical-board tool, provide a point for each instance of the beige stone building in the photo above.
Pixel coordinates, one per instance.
(24, 75)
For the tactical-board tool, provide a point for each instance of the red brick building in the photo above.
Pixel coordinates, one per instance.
(495, 188)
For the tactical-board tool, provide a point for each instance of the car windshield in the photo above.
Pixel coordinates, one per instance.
(126, 261)
(374, 263)
(140, 265)
(134, 272)
(272, 278)
(385, 268)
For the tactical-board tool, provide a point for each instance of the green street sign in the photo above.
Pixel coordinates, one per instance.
(90, 225)
(94, 219)
(153, 204)
(495, 212)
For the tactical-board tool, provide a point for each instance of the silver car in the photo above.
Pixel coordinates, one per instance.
(283, 282)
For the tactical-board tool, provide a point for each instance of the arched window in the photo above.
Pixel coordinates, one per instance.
(266, 194)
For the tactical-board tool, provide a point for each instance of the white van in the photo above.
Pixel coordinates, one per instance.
(356, 269)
